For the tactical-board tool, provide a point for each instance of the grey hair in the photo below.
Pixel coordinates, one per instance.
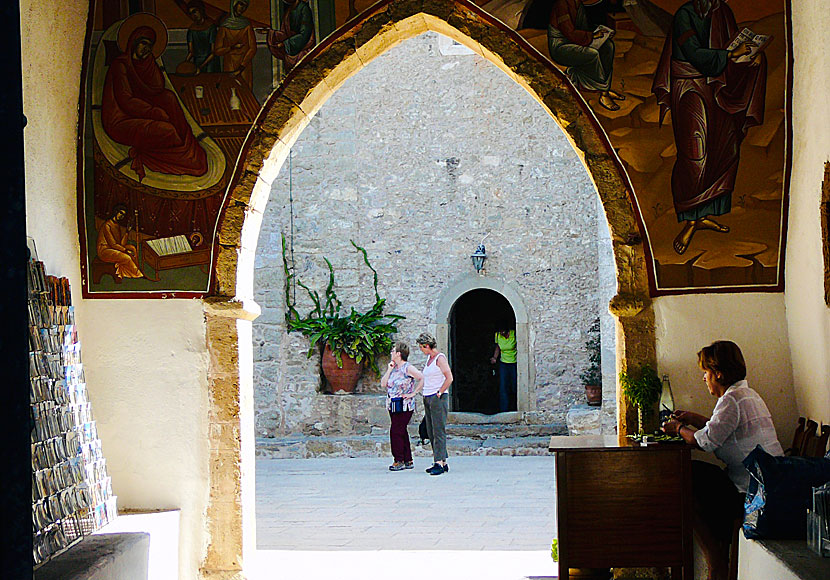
(426, 339)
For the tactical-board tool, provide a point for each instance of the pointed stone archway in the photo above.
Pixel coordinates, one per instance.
(230, 309)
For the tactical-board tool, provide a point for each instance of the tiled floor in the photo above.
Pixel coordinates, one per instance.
(489, 517)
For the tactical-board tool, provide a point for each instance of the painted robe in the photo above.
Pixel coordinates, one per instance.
(137, 110)
(713, 102)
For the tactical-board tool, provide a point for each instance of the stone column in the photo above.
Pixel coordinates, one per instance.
(230, 509)
(635, 347)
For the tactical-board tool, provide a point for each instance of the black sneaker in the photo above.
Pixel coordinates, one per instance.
(408, 465)
(446, 467)
(437, 470)
(428, 469)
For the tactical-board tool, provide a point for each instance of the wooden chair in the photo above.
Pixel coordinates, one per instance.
(816, 446)
(798, 438)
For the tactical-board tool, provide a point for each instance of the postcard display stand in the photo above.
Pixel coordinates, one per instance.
(71, 491)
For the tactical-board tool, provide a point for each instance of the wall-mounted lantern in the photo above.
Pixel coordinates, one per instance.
(478, 258)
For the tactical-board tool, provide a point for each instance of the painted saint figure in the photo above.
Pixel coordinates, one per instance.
(236, 43)
(137, 110)
(114, 247)
(201, 37)
(714, 100)
(295, 38)
(569, 42)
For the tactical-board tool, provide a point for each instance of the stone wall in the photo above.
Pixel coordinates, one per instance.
(418, 168)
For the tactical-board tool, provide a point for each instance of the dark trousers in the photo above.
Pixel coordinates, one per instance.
(399, 438)
(507, 385)
(715, 500)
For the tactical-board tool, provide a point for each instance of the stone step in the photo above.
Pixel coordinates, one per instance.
(306, 447)
(510, 430)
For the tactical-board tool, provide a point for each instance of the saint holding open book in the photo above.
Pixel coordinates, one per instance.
(713, 79)
(587, 51)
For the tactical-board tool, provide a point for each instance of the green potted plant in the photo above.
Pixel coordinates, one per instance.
(643, 389)
(347, 340)
(592, 375)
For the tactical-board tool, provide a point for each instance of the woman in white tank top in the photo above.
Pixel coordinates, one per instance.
(437, 380)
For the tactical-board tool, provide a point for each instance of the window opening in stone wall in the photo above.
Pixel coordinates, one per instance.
(474, 320)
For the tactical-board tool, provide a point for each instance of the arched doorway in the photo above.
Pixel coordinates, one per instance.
(474, 319)
(288, 111)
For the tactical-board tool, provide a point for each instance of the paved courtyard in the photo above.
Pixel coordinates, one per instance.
(489, 517)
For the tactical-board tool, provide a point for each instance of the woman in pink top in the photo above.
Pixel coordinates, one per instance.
(402, 382)
(437, 380)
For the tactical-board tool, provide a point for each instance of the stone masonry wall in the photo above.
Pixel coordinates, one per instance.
(418, 168)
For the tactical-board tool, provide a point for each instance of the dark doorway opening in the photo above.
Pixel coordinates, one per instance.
(473, 322)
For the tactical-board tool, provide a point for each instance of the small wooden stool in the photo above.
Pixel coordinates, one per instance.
(101, 268)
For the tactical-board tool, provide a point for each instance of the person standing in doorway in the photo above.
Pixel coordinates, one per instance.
(505, 355)
(437, 380)
(402, 382)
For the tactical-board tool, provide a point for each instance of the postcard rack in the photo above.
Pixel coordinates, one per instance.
(71, 491)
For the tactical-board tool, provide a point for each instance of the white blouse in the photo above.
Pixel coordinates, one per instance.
(739, 422)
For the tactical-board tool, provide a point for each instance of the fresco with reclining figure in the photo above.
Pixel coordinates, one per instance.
(696, 113)
(171, 89)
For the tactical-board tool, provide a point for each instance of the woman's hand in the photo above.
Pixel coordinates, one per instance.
(492, 360)
(391, 365)
(694, 419)
(671, 427)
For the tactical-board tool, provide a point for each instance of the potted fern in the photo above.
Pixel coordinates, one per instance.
(643, 389)
(348, 340)
(592, 375)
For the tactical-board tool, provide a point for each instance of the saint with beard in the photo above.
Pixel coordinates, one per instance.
(714, 100)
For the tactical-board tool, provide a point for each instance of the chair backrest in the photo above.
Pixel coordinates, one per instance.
(816, 446)
(798, 438)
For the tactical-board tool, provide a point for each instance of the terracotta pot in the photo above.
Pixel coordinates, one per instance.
(594, 395)
(342, 380)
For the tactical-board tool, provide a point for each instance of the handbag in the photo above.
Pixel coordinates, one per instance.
(779, 493)
(396, 405)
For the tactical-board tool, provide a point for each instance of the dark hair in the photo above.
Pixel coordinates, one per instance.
(198, 5)
(724, 358)
(114, 213)
(403, 349)
(426, 339)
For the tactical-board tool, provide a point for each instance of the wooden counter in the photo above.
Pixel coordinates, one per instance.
(623, 505)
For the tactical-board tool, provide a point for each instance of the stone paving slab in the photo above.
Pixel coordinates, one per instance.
(400, 565)
(490, 503)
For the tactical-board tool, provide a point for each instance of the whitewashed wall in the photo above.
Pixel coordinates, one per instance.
(807, 315)
(145, 361)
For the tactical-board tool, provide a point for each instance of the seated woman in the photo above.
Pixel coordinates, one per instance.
(739, 422)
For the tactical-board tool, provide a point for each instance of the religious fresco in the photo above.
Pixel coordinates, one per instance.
(171, 88)
(693, 98)
(692, 95)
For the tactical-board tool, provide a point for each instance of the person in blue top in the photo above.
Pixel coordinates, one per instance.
(200, 38)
